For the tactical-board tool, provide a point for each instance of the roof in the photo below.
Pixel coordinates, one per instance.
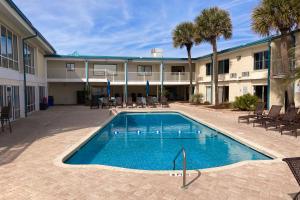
(262, 41)
(21, 14)
(86, 57)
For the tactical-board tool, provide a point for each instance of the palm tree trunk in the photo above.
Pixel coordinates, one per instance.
(215, 71)
(191, 73)
(284, 46)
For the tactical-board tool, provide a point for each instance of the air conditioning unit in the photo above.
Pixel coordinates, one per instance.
(245, 74)
(233, 75)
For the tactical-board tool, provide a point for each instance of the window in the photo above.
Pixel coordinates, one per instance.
(70, 67)
(29, 59)
(177, 69)
(8, 49)
(208, 69)
(144, 70)
(103, 70)
(223, 66)
(261, 60)
(30, 98)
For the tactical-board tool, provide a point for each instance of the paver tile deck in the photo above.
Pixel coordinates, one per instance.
(28, 170)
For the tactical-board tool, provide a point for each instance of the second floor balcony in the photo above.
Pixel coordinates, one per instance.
(79, 75)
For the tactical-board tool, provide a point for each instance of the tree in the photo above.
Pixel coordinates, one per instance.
(280, 16)
(211, 25)
(183, 36)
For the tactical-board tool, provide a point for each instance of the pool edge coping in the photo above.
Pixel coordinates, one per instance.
(59, 161)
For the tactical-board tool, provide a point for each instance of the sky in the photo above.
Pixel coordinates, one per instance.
(130, 27)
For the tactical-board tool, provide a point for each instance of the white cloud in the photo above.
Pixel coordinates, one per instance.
(128, 27)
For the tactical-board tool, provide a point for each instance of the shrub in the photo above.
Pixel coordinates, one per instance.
(196, 98)
(206, 103)
(245, 102)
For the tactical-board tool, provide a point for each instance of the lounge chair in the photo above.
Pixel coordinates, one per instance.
(256, 114)
(5, 117)
(164, 101)
(139, 102)
(294, 165)
(273, 114)
(293, 128)
(119, 102)
(288, 119)
(150, 102)
(129, 102)
(105, 102)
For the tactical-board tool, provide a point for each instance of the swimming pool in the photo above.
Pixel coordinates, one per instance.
(150, 141)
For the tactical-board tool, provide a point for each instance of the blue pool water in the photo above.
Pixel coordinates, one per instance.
(150, 141)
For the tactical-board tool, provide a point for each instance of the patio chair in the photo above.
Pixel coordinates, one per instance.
(139, 102)
(294, 165)
(259, 110)
(119, 102)
(164, 101)
(129, 102)
(273, 114)
(288, 119)
(5, 117)
(150, 102)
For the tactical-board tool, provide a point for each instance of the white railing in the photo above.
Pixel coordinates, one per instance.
(63, 73)
(79, 74)
(278, 68)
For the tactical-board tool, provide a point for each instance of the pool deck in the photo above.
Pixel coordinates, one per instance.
(29, 170)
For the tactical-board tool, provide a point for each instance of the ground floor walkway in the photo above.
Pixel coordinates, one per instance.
(28, 170)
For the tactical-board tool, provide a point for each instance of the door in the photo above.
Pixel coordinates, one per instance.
(261, 91)
(15, 102)
(223, 94)
(8, 99)
(220, 94)
(208, 94)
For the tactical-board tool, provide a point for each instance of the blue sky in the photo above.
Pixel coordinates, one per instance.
(129, 27)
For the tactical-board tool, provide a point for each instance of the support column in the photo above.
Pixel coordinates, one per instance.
(161, 78)
(269, 76)
(86, 72)
(212, 95)
(126, 81)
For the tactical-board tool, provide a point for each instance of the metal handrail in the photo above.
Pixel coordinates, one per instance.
(182, 150)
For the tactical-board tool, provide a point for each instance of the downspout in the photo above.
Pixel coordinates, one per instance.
(269, 75)
(293, 61)
(24, 69)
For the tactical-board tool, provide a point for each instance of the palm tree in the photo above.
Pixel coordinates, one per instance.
(281, 16)
(212, 24)
(183, 36)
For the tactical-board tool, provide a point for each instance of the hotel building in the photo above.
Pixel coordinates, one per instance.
(30, 70)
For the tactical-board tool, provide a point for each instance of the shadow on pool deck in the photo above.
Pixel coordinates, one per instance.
(28, 130)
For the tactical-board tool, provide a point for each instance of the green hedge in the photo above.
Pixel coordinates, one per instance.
(245, 102)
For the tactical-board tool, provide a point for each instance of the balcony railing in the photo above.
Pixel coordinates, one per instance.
(64, 74)
(61, 74)
(278, 69)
